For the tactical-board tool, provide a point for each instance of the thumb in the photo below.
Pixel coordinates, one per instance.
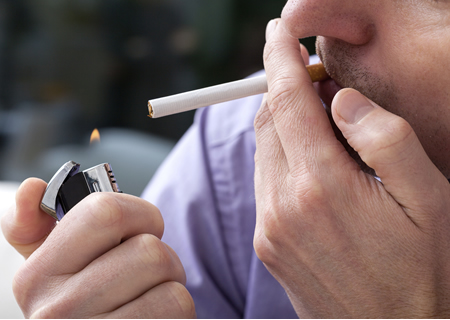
(387, 144)
(25, 225)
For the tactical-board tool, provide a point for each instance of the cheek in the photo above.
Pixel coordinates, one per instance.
(417, 88)
(416, 49)
(414, 55)
(421, 82)
(420, 71)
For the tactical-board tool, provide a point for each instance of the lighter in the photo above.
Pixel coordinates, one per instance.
(69, 186)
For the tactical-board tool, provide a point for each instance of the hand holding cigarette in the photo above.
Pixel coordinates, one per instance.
(221, 93)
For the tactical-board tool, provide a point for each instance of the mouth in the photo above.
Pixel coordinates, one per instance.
(327, 90)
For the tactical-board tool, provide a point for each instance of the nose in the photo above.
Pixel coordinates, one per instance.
(347, 20)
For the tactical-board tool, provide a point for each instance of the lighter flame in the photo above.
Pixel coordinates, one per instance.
(95, 136)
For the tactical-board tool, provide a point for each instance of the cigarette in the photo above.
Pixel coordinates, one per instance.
(220, 93)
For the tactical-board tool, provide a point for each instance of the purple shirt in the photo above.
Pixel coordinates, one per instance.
(205, 192)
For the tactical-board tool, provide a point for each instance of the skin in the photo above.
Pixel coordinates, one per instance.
(105, 259)
(340, 242)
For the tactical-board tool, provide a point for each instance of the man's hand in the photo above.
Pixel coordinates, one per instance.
(340, 242)
(104, 259)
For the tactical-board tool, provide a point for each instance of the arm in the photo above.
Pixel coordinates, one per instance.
(341, 243)
(103, 259)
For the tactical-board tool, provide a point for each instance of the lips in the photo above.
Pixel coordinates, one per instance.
(327, 90)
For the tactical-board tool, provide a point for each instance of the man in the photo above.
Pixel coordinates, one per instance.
(340, 242)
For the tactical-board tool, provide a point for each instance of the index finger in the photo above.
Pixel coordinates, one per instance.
(299, 116)
(94, 226)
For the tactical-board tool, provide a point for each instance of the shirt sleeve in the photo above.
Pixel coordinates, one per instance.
(184, 191)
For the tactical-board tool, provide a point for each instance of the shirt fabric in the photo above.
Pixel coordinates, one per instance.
(205, 192)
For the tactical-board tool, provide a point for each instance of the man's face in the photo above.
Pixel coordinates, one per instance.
(396, 52)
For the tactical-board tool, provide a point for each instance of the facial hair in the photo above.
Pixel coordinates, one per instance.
(345, 64)
(341, 62)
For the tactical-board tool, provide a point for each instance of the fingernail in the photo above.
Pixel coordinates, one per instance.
(271, 26)
(353, 106)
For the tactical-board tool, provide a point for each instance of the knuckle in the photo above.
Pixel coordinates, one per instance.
(308, 191)
(24, 285)
(262, 248)
(262, 118)
(150, 211)
(256, 159)
(400, 125)
(21, 289)
(268, 51)
(151, 249)
(283, 87)
(156, 213)
(104, 210)
(399, 129)
(178, 272)
(273, 50)
(30, 288)
(182, 299)
(284, 215)
(395, 136)
(153, 252)
(51, 311)
(270, 225)
(281, 94)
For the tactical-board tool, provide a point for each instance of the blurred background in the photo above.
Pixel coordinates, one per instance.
(69, 66)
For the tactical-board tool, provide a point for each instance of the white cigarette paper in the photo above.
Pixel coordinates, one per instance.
(217, 94)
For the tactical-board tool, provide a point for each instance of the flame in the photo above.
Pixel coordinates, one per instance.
(95, 136)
